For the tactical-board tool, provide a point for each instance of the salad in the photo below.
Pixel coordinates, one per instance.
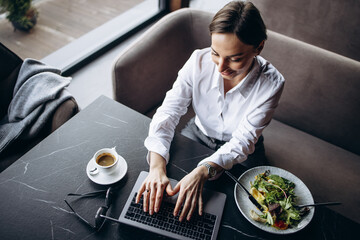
(276, 195)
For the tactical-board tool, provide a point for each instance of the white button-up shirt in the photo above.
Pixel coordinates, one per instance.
(237, 117)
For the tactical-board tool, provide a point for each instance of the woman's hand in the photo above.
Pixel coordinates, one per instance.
(154, 185)
(190, 192)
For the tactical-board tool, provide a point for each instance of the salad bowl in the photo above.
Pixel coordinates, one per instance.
(245, 205)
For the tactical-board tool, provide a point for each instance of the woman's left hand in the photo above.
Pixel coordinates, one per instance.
(190, 192)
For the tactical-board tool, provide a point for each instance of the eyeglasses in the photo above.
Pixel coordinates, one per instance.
(100, 215)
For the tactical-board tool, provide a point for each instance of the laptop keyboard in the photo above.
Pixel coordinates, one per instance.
(199, 227)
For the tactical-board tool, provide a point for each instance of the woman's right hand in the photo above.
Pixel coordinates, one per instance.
(154, 185)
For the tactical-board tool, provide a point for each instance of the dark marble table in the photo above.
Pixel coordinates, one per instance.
(33, 188)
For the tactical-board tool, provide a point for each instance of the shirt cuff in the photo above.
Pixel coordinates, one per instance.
(217, 159)
(154, 145)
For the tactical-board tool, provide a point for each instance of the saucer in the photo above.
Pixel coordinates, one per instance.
(106, 179)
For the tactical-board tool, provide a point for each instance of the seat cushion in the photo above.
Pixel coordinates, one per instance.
(331, 173)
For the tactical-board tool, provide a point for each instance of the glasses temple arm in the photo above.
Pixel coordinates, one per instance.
(90, 194)
(110, 218)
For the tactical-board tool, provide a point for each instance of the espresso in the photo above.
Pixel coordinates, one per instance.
(105, 159)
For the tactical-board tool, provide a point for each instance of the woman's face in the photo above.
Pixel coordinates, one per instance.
(233, 57)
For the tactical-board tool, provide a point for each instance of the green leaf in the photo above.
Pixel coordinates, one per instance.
(269, 219)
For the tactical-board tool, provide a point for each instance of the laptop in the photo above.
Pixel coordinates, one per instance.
(164, 223)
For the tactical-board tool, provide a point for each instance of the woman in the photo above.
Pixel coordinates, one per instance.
(234, 93)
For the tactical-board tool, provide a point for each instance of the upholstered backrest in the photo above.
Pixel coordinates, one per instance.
(10, 65)
(329, 24)
(321, 95)
(145, 71)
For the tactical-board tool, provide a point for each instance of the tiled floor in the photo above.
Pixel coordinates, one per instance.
(95, 79)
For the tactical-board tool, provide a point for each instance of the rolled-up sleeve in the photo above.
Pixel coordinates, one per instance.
(175, 104)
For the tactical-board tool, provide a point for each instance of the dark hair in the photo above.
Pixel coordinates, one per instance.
(241, 18)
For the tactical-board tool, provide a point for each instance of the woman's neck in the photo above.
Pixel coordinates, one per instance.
(229, 84)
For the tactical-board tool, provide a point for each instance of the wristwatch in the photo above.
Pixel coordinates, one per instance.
(211, 169)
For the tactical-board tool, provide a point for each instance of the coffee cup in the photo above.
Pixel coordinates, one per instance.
(106, 160)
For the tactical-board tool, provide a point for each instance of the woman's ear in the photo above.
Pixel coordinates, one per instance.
(260, 47)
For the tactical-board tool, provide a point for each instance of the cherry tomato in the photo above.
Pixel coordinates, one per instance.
(281, 224)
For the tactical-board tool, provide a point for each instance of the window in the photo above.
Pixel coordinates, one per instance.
(68, 32)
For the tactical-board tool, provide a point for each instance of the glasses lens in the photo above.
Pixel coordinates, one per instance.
(100, 220)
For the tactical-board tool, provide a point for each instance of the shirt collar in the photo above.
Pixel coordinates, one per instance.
(245, 86)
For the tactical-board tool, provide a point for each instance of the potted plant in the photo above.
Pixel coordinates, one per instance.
(20, 13)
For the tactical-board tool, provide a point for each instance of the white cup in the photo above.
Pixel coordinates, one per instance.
(106, 160)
